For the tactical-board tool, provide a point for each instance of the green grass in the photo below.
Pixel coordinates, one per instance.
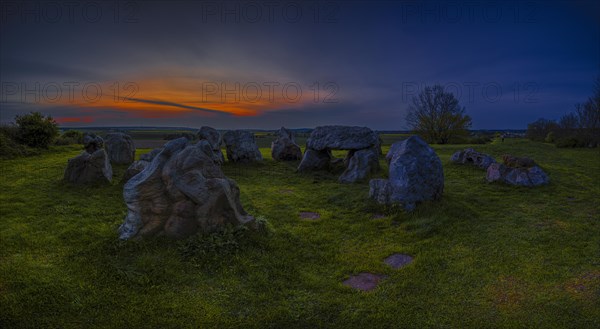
(486, 256)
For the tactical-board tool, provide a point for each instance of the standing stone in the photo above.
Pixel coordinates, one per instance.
(361, 163)
(214, 139)
(415, 175)
(241, 146)
(138, 166)
(92, 143)
(120, 148)
(472, 157)
(89, 168)
(180, 193)
(284, 148)
(315, 160)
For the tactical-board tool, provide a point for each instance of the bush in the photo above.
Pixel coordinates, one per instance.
(9, 148)
(550, 137)
(35, 130)
(70, 137)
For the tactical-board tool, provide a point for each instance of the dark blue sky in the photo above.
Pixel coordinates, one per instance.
(298, 64)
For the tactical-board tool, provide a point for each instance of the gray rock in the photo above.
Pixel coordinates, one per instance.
(521, 176)
(214, 139)
(150, 155)
(180, 193)
(315, 160)
(415, 175)
(92, 143)
(361, 163)
(89, 168)
(241, 146)
(120, 148)
(471, 157)
(284, 147)
(135, 168)
(341, 138)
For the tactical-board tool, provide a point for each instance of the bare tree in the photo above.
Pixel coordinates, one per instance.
(436, 115)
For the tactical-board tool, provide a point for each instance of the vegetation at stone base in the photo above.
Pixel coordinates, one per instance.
(436, 115)
(486, 255)
(580, 128)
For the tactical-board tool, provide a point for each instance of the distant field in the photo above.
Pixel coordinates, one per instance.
(485, 256)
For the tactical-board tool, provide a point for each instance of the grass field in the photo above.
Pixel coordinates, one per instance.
(485, 256)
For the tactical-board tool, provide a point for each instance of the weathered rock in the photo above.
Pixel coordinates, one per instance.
(532, 176)
(92, 143)
(241, 146)
(315, 160)
(361, 163)
(284, 147)
(180, 193)
(341, 138)
(416, 175)
(151, 155)
(135, 168)
(364, 281)
(120, 148)
(214, 139)
(89, 168)
(472, 157)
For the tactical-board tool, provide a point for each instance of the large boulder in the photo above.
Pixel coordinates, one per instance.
(284, 148)
(120, 148)
(214, 139)
(517, 171)
(341, 138)
(180, 193)
(471, 157)
(241, 146)
(92, 143)
(361, 163)
(415, 175)
(89, 168)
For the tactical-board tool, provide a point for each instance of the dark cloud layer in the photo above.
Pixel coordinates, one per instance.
(509, 62)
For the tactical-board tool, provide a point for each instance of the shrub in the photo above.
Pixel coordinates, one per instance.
(9, 147)
(35, 130)
(70, 137)
(550, 137)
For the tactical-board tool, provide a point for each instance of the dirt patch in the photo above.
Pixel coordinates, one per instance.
(309, 215)
(286, 191)
(397, 261)
(585, 286)
(364, 281)
(509, 292)
(378, 216)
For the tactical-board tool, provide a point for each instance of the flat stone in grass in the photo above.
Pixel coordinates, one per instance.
(364, 281)
(378, 216)
(309, 215)
(397, 261)
(286, 191)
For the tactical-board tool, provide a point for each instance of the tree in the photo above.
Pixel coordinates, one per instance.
(436, 115)
(36, 130)
(538, 130)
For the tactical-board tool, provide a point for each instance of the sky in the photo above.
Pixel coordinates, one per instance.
(263, 65)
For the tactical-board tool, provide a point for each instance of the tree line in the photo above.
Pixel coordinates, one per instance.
(579, 128)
